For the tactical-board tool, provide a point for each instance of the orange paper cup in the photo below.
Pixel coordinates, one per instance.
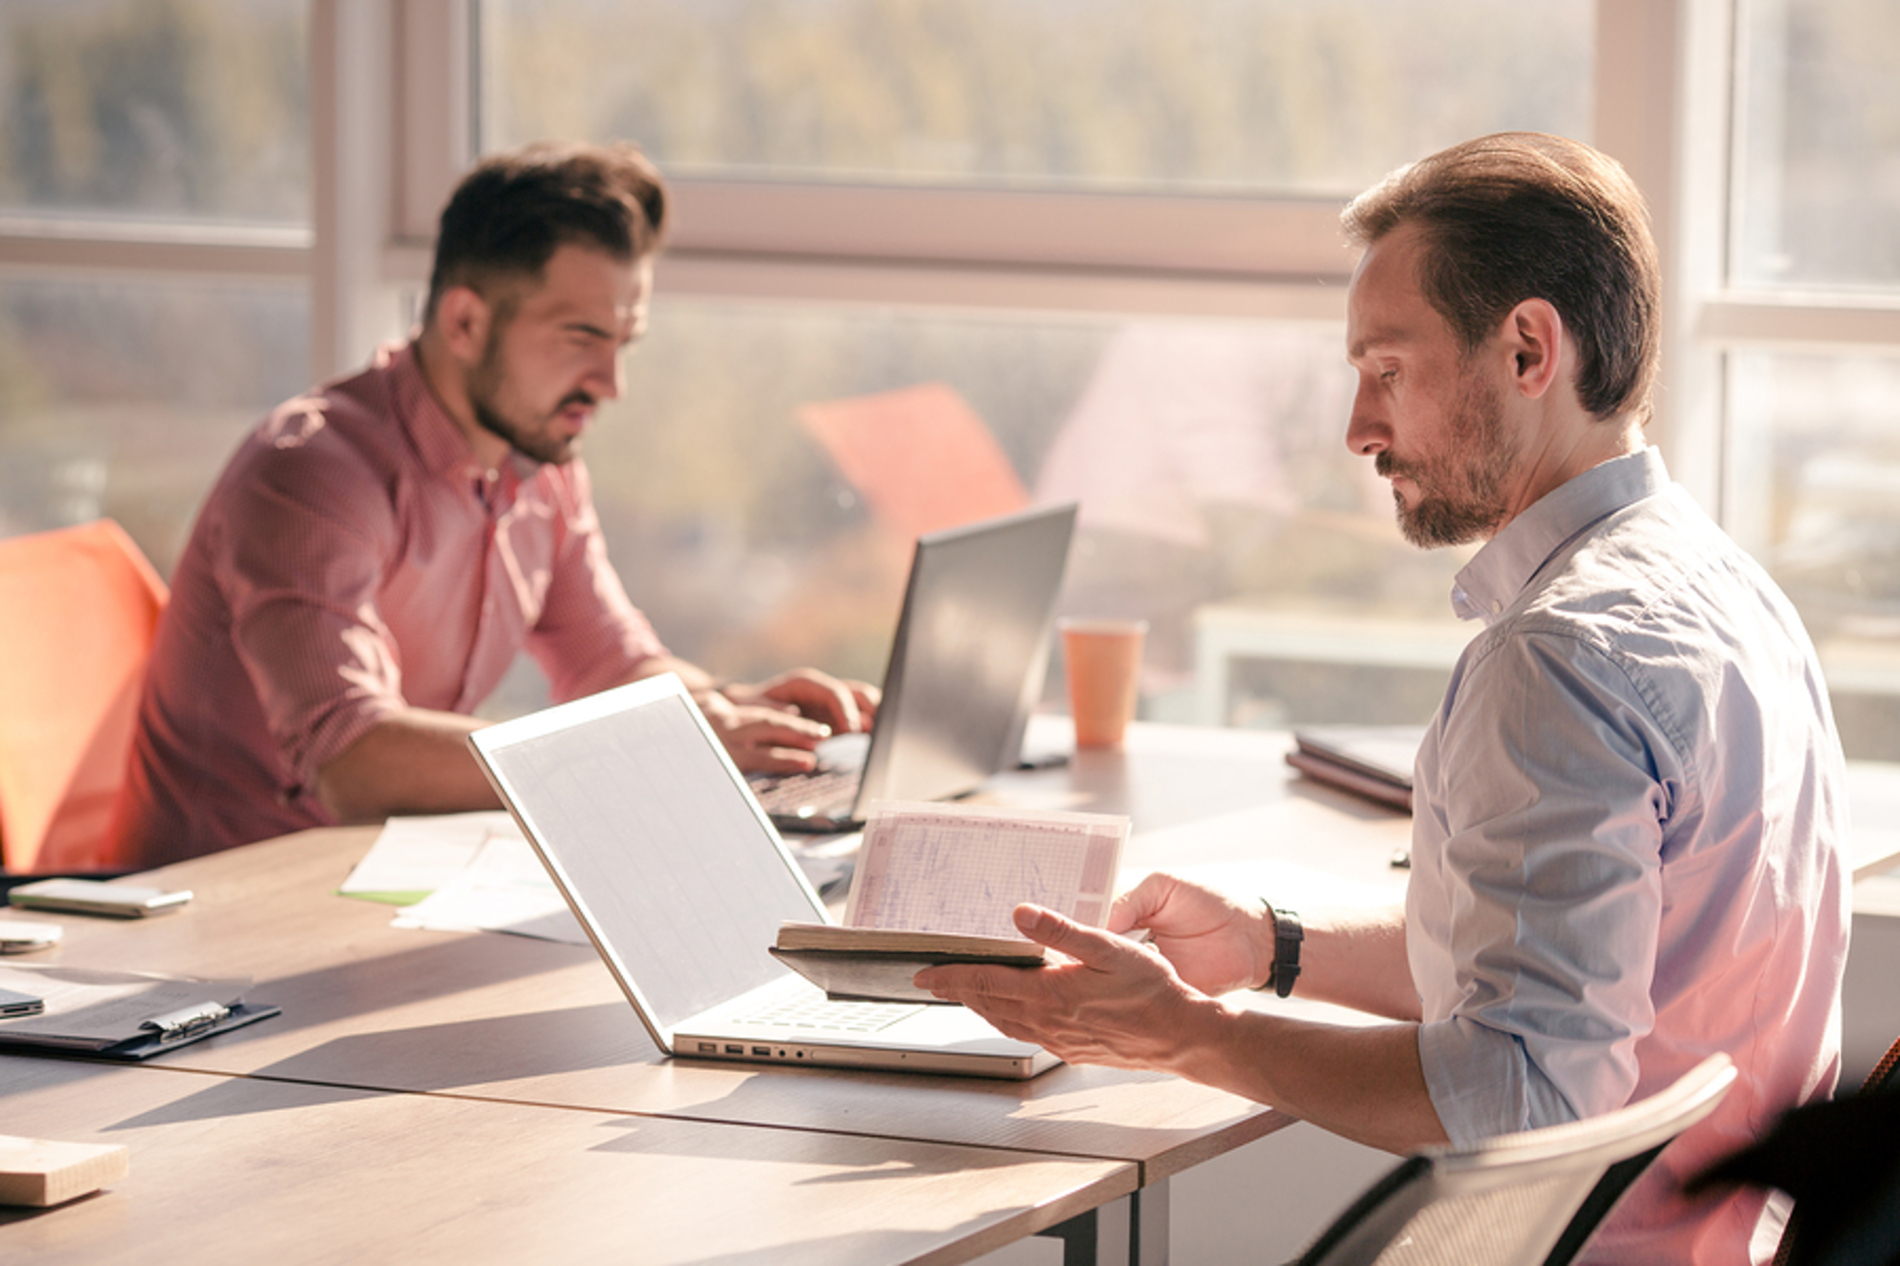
(1103, 659)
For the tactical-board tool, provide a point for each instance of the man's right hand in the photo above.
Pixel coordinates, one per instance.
(1215, 944)
(763, 739)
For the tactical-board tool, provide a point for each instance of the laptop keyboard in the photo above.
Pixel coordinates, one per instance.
(827, 790)
(836, 1017)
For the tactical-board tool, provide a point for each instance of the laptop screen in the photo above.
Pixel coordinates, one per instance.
(967, 662)
(646, 827)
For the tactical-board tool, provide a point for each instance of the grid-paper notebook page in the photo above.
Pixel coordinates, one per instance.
(963, 869)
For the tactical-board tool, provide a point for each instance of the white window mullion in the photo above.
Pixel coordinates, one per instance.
(353, 307)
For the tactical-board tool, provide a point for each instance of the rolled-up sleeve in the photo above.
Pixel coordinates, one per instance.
(301, 579)
(1540, 894)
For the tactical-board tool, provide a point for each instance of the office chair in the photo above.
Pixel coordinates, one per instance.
(921, 458)
(78, 607)
(1520, 1199)
(1840, 1160)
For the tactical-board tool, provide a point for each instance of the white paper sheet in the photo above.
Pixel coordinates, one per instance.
(504, 888)
(417, 855)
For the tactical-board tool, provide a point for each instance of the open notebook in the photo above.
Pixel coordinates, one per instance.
(680, 881)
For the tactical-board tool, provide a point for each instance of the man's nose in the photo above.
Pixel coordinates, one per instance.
(608, 378)
(1365, 434)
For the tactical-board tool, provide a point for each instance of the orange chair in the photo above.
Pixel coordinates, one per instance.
(920, 456)
(78, 607)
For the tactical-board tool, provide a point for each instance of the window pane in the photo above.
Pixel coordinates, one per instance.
(1819, 480)
(125, 398)
(173, 109)
(1817, 196)
(1288, 95)
(1217, 494)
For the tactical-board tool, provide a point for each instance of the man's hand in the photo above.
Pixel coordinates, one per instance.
(846, 706)
(762, 739)
(1113, 1002)
(1214, 944)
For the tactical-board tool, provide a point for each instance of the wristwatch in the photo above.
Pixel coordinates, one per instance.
(1287, 935)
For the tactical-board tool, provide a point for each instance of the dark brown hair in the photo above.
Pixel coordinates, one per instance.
(1522, 215)
(513, 211)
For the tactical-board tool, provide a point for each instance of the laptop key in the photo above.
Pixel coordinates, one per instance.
(838, 1017)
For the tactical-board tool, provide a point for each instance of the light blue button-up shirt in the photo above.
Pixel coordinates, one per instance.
(1628, 845)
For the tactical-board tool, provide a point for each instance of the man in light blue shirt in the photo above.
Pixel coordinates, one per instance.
(1629, 810)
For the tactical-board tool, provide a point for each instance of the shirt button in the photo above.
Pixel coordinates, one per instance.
(1496, 606)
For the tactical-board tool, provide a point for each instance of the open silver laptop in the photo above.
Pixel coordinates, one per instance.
(649, 831)
(965, 672)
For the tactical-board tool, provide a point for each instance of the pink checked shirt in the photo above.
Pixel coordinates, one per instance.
(354, 559)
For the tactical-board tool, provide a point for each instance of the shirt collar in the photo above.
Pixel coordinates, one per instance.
(439, 443)
(1499, 571)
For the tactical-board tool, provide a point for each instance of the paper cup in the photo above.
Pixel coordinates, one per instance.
(1103, 660)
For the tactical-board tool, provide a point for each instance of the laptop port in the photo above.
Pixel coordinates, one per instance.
(733, 1048)
(709, 1048)
(761, 1050)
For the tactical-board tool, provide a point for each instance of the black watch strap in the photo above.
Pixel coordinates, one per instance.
(1287, 935)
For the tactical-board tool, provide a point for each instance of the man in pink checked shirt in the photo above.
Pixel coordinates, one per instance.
(377, 551)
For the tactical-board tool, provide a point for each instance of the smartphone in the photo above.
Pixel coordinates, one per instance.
(93, 896)
(17, 936)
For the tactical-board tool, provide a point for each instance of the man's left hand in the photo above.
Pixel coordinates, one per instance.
(846, 706)
(1111, 1002)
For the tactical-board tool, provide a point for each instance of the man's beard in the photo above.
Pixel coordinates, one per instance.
(484, 385)
(1461, 488)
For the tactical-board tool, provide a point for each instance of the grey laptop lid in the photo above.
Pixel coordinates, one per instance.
(681, 883)
(968, 660)
(965, 671)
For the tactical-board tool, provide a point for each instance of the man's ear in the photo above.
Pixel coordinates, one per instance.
(462, 319)
(1534, 335)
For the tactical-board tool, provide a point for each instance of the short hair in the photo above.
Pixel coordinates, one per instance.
(512, 211)
(1523, 215)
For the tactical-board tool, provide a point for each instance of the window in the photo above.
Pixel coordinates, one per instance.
(1290, 96)
(1203, 433)
(155, 109)
(155, 196)
(1813, 433)
(1817, 186)
(876, 197)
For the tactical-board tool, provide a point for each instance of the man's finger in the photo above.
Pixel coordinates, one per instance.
(819, 695)
(971, 980)
(762, 727)
(1093, 947)
(776, 760)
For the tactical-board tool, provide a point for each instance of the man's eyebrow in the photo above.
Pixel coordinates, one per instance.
(1360, 349)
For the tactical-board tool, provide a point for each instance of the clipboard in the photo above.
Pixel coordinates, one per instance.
(121, 1015)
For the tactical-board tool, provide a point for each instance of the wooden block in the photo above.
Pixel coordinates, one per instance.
(40, 1172)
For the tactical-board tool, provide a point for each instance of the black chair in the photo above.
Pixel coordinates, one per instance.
(1840, 1160)
(1519, 1199)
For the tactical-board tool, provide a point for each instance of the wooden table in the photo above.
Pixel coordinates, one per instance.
(401, 1018)
(243, 1170)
